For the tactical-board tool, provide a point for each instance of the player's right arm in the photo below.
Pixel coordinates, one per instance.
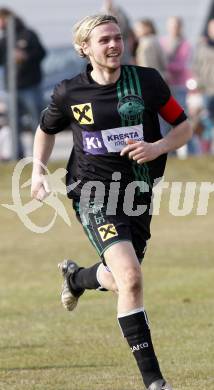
(53, 120)
(43, 146)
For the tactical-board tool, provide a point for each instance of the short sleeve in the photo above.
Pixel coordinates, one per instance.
(162, 91)
(168, 108)
(54, 119)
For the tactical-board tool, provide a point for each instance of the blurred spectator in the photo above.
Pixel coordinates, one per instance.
(178, 52)
(149, 52)
(196, 113)
(5, 133)
(203, 66)
(128, 35)
(28, 55)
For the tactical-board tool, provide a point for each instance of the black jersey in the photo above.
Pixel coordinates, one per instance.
(103, 116)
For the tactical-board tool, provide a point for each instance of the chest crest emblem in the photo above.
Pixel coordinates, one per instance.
(131, 107)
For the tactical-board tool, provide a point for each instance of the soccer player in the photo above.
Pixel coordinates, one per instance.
(117, 155)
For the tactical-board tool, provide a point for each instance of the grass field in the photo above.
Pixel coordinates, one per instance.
(43, 347)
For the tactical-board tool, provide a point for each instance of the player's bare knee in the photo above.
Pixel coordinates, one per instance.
(132, 281)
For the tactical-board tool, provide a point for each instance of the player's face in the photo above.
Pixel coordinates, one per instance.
(105, 47)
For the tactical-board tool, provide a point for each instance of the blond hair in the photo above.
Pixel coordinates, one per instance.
(83, 28)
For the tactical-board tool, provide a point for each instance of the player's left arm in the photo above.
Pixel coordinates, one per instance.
(172, 113)
(142, 151)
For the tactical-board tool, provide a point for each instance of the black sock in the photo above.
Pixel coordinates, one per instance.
(85, 278)
(136, 330)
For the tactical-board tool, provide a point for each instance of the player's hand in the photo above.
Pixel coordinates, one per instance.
(39, 187)
(141, 151)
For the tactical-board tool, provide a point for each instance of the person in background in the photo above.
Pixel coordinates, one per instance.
(178, 70)
(130, 41)
(149, 52)
(28, 53)
(203, 67)
(5, 132)
(178, 53)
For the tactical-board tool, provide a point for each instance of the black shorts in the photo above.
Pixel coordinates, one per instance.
(105, 230)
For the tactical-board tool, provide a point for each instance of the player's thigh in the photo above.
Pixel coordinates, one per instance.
(103, 230)
(122, 261)
(140, 231)
(111, 236)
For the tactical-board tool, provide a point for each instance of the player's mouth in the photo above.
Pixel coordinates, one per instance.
(112, 55)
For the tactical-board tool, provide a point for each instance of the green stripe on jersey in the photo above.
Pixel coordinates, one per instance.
(133, 91)
(134, 70)
(132, 88)
(141, 174)
(119, 95)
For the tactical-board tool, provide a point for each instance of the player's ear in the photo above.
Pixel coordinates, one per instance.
(85, 48)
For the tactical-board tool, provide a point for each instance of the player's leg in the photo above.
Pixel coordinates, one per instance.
(97, 277)
(78, 279)
(124, 265)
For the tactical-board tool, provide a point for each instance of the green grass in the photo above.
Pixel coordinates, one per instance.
(43, 347)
